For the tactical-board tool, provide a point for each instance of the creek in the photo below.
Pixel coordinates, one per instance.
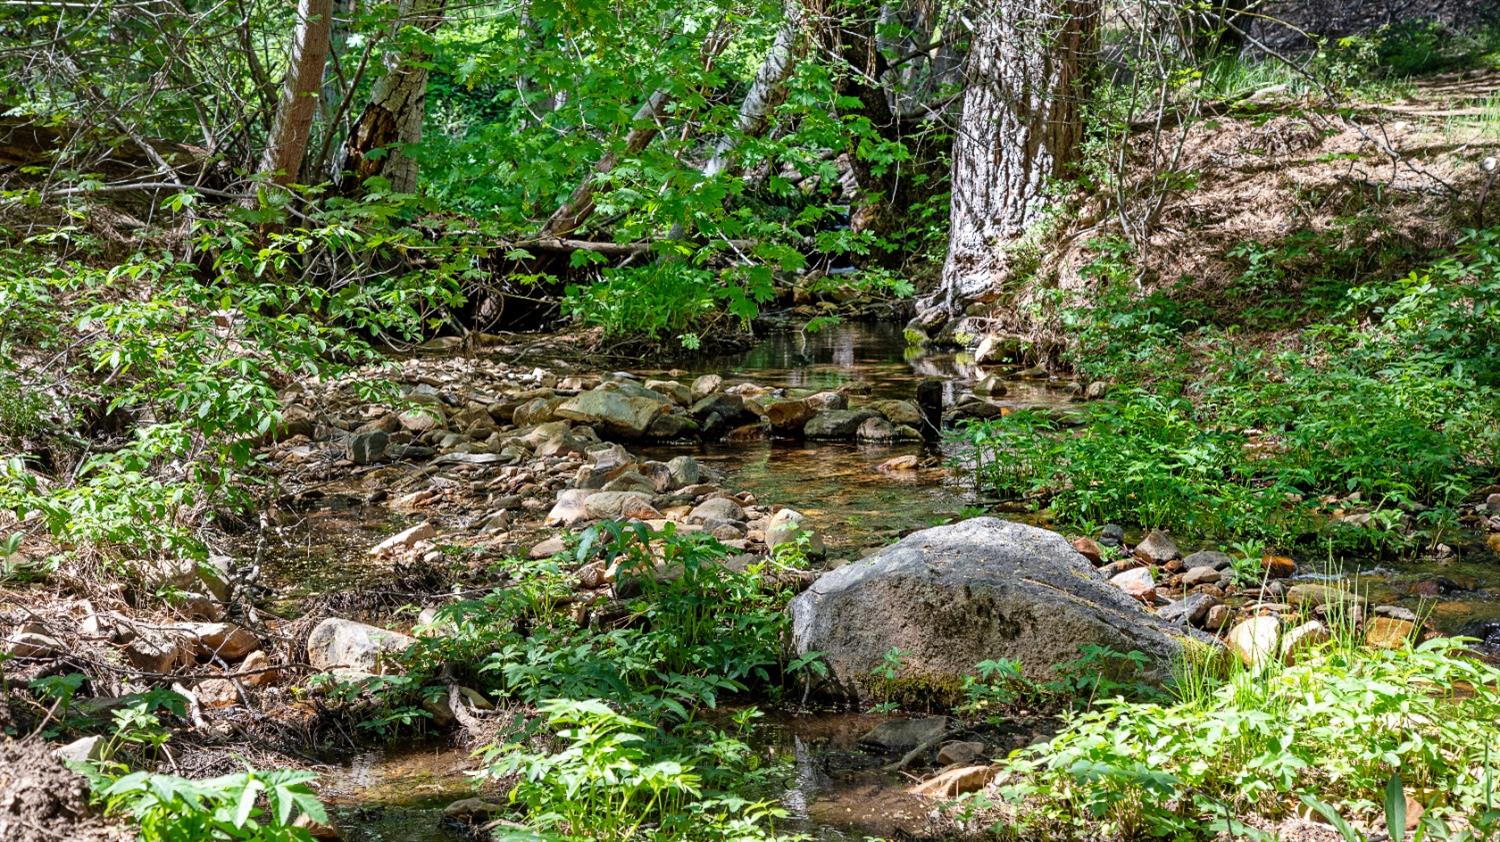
(398, 793)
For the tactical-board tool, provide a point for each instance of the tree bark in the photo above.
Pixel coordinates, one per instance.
(764, 89)
(1020, 128)
(287, 145)
(392, 120)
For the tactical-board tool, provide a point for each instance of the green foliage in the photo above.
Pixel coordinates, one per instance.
(196, 357)
(1337, 726)
(249, 806)
(695, 630)
(618, 778)
(1391, 407)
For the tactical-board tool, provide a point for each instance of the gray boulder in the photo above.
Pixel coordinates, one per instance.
(352, 649)
(836, 423)
(955, 595)
(614, 410)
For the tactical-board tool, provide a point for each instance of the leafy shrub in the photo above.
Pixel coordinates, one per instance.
(1392, 408)
(173, 809)
(1336, 726)
(614, 776)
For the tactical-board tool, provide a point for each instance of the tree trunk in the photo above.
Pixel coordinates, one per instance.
(764, 89)
(287, 145)
(392, 121)
(1020, 128)
(644, 125)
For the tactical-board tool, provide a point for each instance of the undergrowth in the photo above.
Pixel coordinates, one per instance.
(1362, 431)
(1332, 731)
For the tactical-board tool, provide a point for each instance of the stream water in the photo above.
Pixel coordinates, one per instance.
(398, 795)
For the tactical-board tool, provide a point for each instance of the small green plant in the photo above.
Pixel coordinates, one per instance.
(613, 776)
(1255, 742)
(249, 806)
(884, 677)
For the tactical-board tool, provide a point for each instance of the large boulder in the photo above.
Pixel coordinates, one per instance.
(952, 596)
(613, 409)
(352, 649)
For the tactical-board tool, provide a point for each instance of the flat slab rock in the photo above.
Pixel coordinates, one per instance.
(955, 595)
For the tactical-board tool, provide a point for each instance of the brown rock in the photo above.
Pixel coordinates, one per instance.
(258, 666)
(960, 752)
(788, 415)
(1388, 632)
(225, 640)
(1086, 548)
(1218, 617)
(1278, 566)
(1297, 640)
(216, 693)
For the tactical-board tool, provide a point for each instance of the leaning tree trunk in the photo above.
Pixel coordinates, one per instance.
(392, 120)
(1020, 128)
(765, 89)
(287, 145)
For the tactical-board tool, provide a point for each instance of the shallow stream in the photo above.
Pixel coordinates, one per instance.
(399, 795)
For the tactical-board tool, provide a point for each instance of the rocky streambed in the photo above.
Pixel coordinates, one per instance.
(408, 499)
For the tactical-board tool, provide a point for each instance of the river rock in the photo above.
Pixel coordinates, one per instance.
(876, 429)
(824, 401)
(1388, 632)
(716, 508)
(1254, 640)
(1190, 610)
(836, 423)
(570, 508)
(1196, 576)
(616, 504)
(671, 425)
(898, 736)
(1278, 566)
(899, 413)
(786, 525)
(685, 471)
(1207, 558)
(405, 539)
(955, 595)
(614, 410)
(788, 415)
(1088, 549)
(1137, 582)
(352, 648)
(671, 389)
(1158, 547)
(473, 810)
(368, 448)
(706, 385)
(1314, 594)
(1301, 638)
(960, 751)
